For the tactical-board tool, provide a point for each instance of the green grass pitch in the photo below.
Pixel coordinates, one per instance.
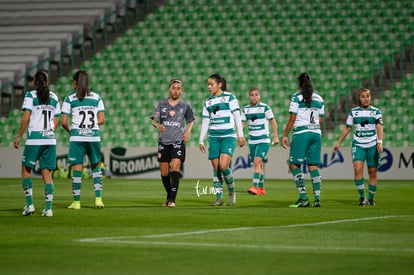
(134, 234)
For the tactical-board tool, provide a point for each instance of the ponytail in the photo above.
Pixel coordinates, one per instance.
(82, 84)
(42, 89)
(305, 84)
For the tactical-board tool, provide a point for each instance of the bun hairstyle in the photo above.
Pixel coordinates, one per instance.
(220, 79)
(305, 84)
(81, 80)
(175, 80)
(41, 80)
(359, 93)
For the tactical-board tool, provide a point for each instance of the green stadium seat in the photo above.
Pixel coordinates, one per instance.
(141, 63)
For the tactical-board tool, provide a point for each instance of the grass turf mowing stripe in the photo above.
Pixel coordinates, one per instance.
(283, 248)
(134, 240)
(266, 227)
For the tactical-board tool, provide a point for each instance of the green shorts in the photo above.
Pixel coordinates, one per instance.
(220, 145)
(78, 149)
(259, 150)
(370, 155)
(46, 154)
(306, 146)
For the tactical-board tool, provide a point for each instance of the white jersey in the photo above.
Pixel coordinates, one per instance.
(41, 126)
(84, 116)
(257, 118)
(307, 118)
(219, 110)
(365, 122)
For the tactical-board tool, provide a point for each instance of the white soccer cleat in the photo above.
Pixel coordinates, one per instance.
(232, 198)
(218, 202)
(28, 210)
(47, 213)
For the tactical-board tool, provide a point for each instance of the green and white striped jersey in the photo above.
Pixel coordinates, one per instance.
(84, 114)
(307, 118)
(219, 110)
(257, 118)
(365, 122)
(41, 125)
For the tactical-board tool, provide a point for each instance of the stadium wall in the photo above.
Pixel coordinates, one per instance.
(396, 163)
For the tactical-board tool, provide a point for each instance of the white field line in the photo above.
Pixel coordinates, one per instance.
(134, 240)
(266, 227)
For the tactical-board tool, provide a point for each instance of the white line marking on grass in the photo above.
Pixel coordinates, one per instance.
(134, 240)
(126, 239)
(266, 227)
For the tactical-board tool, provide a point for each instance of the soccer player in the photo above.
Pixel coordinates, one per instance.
(86, 110)
(221, 112)
(257, 116)
(366, 144)
(306, 116)
(41, 112)
(169, 117)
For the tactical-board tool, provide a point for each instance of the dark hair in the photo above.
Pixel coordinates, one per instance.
(223, 84)
(221, 80)
(82, 84)
(305, 84)
(175, 80)
(41, 80)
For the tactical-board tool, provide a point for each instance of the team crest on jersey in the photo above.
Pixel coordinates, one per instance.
(172, 113)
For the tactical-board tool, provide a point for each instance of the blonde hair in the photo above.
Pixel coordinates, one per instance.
(359, 94)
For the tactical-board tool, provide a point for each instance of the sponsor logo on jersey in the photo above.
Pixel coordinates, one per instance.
(172, 123)
(48, 134)
(85, 132)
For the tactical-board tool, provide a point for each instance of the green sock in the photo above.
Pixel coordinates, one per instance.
(261, 181)
(76, 185)
(256, 179)
(228, 177)
(28, 191)
(300, 183)
(218, 187)
(49, 190)
(97, 181)
(372, 189)
(316, 184)
(360, 187)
